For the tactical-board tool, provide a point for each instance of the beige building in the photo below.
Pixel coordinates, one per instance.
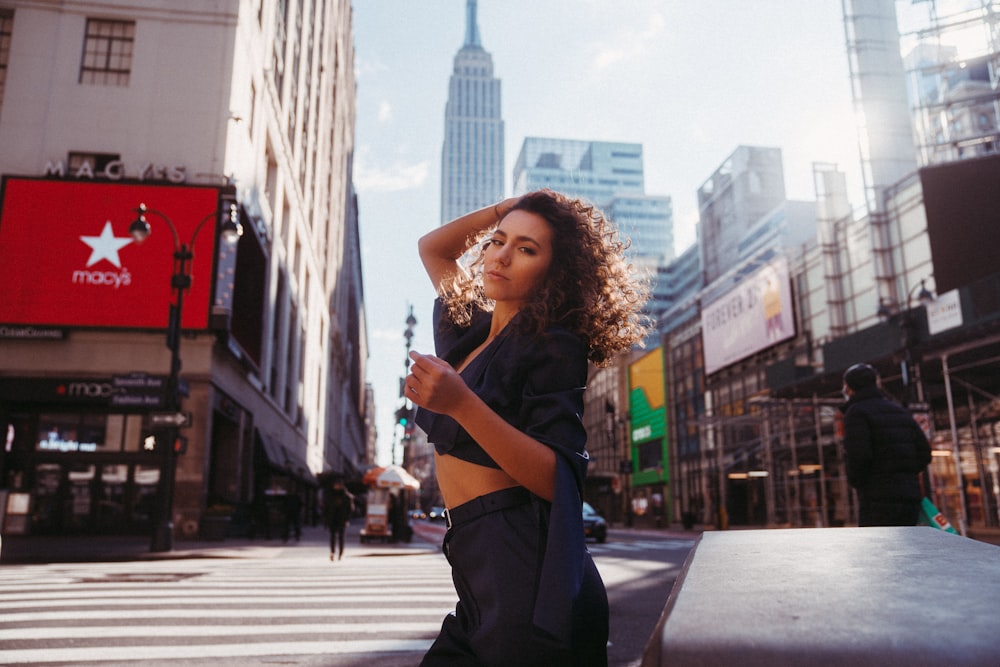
(188, 107)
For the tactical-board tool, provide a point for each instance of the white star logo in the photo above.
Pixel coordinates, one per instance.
(106, 246)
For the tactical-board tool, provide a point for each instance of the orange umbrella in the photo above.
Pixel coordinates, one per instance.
(371, 475)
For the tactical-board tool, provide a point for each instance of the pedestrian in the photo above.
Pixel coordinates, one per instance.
(886, 449)
(398, 518)
(261, 515)
(545, 289)
(293, 515)
(338, 503)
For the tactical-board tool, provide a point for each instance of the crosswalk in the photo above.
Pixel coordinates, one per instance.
(362, 610)
(640, 546)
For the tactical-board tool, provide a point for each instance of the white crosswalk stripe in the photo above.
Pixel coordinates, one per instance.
(217, 609)
(641, 546)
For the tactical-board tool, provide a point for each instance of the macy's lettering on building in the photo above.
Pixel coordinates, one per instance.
(116, 171)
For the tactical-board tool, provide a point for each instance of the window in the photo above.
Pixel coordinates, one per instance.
(6, 28)
(75, 432)
(107, 52)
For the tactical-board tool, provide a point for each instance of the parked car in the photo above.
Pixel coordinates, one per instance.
(418, 514)
(594, 524)
(436, 514)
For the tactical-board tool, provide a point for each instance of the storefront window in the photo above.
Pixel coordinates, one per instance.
(93, 429)
(68, 433)
(133, 432)
(651, 455)
(81, 481)
(73, 432)
(111, 505)
(47, 508)
(146, 480)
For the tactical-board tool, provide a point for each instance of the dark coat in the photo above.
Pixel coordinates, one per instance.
(337, 506)
(886, 449)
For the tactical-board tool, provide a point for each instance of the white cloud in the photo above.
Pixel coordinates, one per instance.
(632, 45)
(396, 177)
(393, 335)
(364, 66)
(384, 112)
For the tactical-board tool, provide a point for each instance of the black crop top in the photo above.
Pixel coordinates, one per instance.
(535, 383)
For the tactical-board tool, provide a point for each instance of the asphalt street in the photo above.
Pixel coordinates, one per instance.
(252, 603)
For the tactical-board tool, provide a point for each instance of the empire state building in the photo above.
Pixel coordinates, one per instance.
(472, 156)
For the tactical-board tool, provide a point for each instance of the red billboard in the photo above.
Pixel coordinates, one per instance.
(69, 260)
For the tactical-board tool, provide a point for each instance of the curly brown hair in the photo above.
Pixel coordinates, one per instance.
(590, 288)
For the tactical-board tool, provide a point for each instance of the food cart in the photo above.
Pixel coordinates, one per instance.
(377, 517)
(386, 487)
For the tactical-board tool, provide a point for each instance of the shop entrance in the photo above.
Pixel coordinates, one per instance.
(96, 498)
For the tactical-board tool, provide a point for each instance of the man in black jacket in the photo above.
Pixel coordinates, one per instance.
(886, 452)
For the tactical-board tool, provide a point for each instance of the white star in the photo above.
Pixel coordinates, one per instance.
(106, 246)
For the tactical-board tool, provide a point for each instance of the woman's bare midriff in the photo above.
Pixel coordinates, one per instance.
(461, 481)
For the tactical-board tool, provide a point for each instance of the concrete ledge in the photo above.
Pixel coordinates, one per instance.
(833, 596)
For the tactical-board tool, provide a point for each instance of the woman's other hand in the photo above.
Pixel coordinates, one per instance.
(433, 384)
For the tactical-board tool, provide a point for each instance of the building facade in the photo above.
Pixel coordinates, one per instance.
(597, 171)
(748, 184)
(472, 157)
(906, 285)
(610, 175)
(198, 112)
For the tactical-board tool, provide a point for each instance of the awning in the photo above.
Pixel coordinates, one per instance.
(284, 459)
(390, 477)
(396, 477)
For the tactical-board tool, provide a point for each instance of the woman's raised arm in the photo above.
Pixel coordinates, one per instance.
(441, 248)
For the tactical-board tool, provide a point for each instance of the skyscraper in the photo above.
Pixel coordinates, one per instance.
(610, 175)
(595, 170)
(748, 185)
(472, 162)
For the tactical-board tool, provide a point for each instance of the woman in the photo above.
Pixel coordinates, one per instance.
(502, 403)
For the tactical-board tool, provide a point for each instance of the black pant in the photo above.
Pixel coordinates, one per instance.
(901, 512)
(495, 561)
(337, 535)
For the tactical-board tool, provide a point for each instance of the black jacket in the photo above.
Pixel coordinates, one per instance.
(886, 449)
(535, 383)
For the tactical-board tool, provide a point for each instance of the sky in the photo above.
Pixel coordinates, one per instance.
(690, 81)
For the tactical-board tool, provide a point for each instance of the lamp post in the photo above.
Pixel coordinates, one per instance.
(230, 230)
(405, 413)
(907, 321)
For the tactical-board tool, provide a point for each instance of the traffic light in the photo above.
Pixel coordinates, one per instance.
(404, 416)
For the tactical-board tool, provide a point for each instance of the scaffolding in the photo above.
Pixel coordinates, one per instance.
(778, 464)
(951, 54)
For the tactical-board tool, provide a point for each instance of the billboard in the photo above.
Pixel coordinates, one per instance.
(750, 318)
(69, 260)
(648, 417)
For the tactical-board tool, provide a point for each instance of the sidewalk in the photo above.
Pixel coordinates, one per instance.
(427, 537)
(83, 548)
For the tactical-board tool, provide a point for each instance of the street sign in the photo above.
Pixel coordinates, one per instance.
(176, 419)
(137, 390)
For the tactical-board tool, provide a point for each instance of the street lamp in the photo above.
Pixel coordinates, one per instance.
(230, 230)
(907, 321)
(405, 413)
